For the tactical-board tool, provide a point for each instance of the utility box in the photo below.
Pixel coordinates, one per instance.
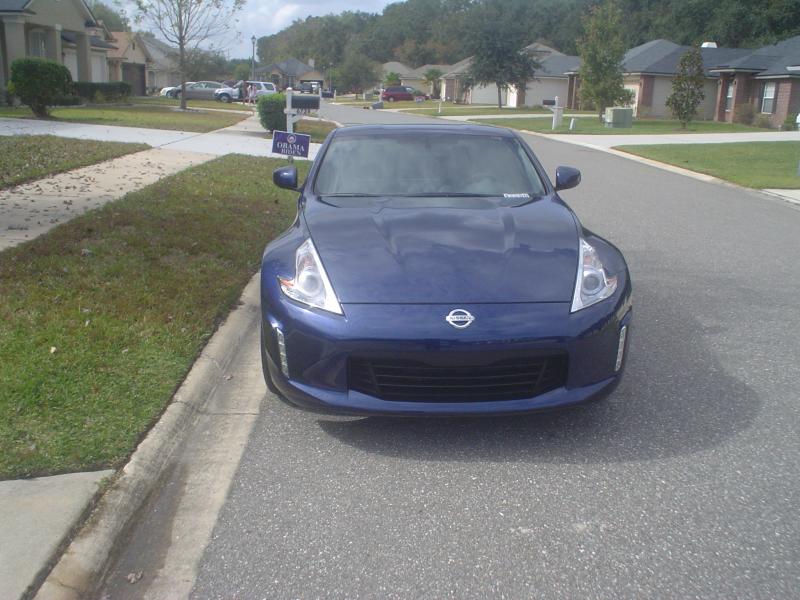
(619, 117)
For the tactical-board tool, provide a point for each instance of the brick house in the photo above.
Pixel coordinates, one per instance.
(767, 78)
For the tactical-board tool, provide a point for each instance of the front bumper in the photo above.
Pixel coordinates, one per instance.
(317, 346)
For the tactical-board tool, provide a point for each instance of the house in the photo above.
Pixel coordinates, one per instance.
(290, 73)
(64, 31)
(163, 69)
(555, 77)
(129, 61)
(415, 78)
(650, 68)
(767, 78)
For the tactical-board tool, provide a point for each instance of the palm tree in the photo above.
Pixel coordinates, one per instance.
(431, 79)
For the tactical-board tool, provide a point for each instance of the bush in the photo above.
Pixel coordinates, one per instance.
(67, 100)
(109, 91)
(763, 122)
(790, 124)
(744, 114)
(270, 112)
(38, 82)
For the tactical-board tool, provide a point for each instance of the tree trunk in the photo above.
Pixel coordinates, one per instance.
(499, 96)
(182, 61)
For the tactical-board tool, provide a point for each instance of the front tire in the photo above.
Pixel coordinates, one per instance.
(225, 98)
(391, 98)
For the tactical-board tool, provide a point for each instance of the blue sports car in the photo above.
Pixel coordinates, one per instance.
(434, 270)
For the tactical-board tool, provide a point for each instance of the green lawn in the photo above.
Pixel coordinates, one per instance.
(23, 158)
(751, 164)
(164, 101)
(592, 125)
(102, 317)
(156, 117)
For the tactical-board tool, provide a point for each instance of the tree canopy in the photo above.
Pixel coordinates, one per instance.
(418, 32)
(687, 87)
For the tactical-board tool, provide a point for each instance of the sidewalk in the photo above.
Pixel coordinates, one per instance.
(238, 138)
(30, 209)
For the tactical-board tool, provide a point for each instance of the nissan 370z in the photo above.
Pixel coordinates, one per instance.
(434, 270)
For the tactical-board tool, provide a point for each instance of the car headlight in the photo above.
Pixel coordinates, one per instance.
(593, 283)
(310, 284)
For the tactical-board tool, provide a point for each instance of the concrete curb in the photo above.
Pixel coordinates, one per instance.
(667, 167)
(82, 566)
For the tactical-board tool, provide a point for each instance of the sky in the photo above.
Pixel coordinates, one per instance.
(265, 17)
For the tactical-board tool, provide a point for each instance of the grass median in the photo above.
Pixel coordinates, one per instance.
(24, 158)
(751, 164)
(151, 117)
(592, 125)
(102, 317)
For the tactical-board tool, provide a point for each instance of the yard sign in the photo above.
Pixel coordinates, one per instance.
(290, 144)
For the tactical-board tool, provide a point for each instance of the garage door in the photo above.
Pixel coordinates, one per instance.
(134, 74)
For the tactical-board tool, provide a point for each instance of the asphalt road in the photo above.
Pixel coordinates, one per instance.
(684, 484)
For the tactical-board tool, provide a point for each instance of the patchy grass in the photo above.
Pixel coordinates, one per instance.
(23, 158)
(155, 117)
(751, 164)
(102, 317)
(175, 103)
(592, 125)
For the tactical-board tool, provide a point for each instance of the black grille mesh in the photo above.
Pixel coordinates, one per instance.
(413, 380)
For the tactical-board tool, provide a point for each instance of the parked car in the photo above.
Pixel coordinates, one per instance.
(434, 270)
(231, 94)
(396, 92)
(199, 90)
(308, 87)
(418, 93)
(170, 90)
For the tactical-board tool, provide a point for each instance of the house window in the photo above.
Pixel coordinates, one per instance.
(729, 97)
(768, 98)
(36, 43)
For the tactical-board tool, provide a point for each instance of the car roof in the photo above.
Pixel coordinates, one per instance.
(424, 129)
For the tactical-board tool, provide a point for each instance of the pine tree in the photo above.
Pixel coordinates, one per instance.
(687, 87)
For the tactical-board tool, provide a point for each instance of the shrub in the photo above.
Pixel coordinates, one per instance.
(99, 98)
(790, 124)
(109, 90)
(763, 122)
(38, 82)
(270, 111)
(67, 100)
(745, 114)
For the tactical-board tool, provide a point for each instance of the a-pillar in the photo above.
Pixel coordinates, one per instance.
(84, 58)
(53, 44)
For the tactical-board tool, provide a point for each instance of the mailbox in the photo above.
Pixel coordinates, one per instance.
(547, 102)
(305, 102)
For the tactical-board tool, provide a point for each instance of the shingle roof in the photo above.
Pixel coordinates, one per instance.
(94, 41)
(420, 71)
(558, 65)
(164, 55)
(639, 58)
(13, 5)
(668, 65)
(394, 66)
(767, 61)
(290, 67)
(458, 68)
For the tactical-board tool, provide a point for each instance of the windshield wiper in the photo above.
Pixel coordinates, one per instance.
(351, 195)
(446, 195)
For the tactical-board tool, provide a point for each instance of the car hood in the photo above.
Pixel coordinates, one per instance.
(476, 252)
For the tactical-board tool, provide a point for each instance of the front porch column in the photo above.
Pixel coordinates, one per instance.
(84, 60)
(16, 47)
(53, 44)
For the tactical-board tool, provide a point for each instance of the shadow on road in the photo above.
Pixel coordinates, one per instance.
(675, 399)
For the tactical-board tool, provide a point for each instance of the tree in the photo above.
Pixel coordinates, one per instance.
(114, 19)
(357, 73)
(602, 49)
(189, 23)
(392, 78)
(497, 36)
(687, 87)
(241, 71)
(38, 83)
(431, 79)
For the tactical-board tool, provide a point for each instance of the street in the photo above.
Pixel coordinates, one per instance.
(684, 483)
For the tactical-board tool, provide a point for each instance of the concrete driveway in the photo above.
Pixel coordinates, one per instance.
(683, 484)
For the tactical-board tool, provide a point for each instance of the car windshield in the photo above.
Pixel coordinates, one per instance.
(425, 164)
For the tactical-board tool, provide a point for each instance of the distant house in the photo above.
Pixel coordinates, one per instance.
(768, 78)
(64, 31)
(290, 73)
(163, 69)
(554, 78)
(129, 61)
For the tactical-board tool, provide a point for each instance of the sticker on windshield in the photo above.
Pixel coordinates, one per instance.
(516, 195)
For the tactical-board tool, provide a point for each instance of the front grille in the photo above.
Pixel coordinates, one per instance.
(418, 381)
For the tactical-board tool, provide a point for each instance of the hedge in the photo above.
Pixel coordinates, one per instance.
(38, 83)
(270, 111)
(109, 90)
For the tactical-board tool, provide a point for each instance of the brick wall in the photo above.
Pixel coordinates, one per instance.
(787, 100)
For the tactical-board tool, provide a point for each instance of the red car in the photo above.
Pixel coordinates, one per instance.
(396, 92)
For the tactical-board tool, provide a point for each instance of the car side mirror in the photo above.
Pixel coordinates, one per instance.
(566, 178)
(285, 177)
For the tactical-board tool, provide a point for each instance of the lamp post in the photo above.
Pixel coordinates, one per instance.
(253, 60)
